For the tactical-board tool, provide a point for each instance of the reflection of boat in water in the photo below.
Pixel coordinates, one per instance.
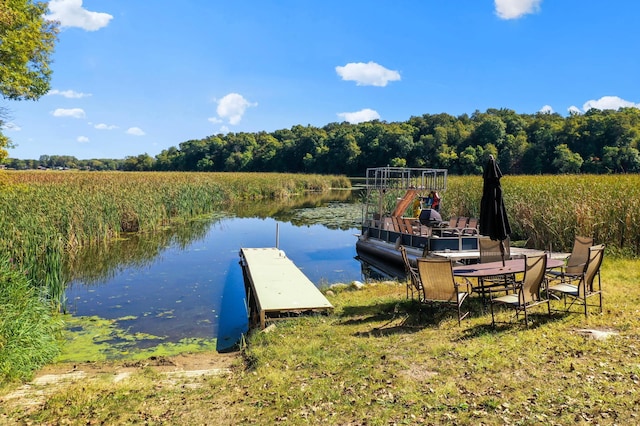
(399, 210)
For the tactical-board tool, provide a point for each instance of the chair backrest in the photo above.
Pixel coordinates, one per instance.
(409, 271)
(405, 260)
(579, 255)
(462, 222)
(408, 225)
(490, 249)
(473, 223)
(453, 220)
(436, 275)
(591, 269)
(396, 224)
(534, 273)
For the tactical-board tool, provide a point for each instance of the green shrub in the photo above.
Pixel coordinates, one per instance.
(28, 329)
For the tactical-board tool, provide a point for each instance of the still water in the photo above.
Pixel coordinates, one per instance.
(191, 286)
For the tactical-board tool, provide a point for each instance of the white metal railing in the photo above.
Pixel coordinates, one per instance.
(406, 178)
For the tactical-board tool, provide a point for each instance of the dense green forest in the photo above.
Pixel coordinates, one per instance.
(599, 141)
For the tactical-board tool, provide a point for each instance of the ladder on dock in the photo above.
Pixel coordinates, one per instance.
(276, 287)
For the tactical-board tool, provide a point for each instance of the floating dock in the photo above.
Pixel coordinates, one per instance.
(276, 288)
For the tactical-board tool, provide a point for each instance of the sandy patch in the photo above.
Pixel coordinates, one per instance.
(176, 369)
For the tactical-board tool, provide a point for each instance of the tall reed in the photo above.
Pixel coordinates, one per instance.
(551, 210)
(27, 326)
(46, 214)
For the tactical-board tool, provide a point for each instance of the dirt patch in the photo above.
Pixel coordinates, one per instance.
(418, 373)
(597, 333)
(195, 361)
(175, 369)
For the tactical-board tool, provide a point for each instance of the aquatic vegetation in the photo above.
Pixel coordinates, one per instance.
(333, 215)
(28, 328)
(47, 215)
(551, 210)
(99, 339)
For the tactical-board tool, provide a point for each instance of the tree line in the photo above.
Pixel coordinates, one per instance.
(598, 141)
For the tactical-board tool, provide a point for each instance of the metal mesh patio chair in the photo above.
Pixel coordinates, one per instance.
(440, 286)
(413, 279)
(530, 291)
(587, 285)
(575, 263)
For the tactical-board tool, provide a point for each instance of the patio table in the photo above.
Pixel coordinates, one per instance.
(490, 269)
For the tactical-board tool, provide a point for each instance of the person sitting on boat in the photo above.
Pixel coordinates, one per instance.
(435, 203)
(427, 201)
(417, 207)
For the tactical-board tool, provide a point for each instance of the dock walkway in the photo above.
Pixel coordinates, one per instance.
(276, 287)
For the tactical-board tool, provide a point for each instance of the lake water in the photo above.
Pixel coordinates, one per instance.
(192, 286)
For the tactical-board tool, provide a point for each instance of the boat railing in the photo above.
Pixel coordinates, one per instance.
(403, 178)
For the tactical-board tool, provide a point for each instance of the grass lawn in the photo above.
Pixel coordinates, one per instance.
(380, 359)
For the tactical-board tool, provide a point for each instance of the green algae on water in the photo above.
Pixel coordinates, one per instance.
(91, 339)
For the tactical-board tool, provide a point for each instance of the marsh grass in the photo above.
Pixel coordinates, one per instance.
(551, 210)
(380, 359)
(28, 328)
(48, 215)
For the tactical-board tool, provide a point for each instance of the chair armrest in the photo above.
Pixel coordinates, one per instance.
(465, 283)
(469, 231)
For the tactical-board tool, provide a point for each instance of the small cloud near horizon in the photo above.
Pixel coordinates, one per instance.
(70, 13)
(605, 102)
(231, 108)
(546, 109)
(71, 112)
(514, 9)
(82, 139)
(361, 116)
(609, 102)
(369, 74)
(135, 131)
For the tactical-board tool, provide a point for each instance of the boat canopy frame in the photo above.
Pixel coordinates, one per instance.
(385, 180)
(404, 178)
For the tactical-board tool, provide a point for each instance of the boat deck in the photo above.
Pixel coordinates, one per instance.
(276, 287)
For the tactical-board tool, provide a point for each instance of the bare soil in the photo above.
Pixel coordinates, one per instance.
(176, 369)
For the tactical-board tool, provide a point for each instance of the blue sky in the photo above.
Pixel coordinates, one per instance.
(133, 77)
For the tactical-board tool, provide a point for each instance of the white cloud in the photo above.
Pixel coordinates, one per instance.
(70, 13)
(224, 130)
(102, 126)
(135, 131)
(72, 112)
(232, 107)
(514, 9)
(574, 110)
(369, 74)
(546, 109)
(72, 94)
(11, 127)
(214, 120)
(608, 102)
(82, 139)
(359, 116)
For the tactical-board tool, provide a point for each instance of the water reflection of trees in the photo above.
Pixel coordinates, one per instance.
(103, 261)
(335, 210)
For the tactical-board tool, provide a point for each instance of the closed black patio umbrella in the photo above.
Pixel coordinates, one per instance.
(493, 216)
